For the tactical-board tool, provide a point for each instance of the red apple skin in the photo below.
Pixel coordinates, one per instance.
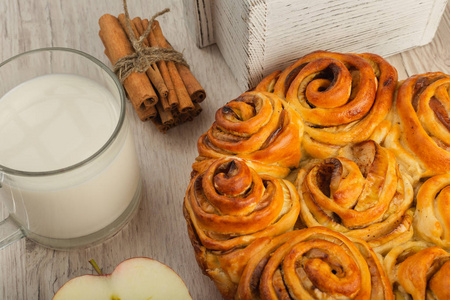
(126, 281)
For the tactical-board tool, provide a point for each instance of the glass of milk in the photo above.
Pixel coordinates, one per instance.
(69, 174)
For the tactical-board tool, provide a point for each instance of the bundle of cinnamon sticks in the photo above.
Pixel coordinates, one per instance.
(168, 94)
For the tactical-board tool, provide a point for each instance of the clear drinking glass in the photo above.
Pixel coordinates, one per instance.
(85, 201)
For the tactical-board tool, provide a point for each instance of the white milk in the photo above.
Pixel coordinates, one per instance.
(53, 122)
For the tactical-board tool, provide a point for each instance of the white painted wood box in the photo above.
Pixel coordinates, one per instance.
(257, 37)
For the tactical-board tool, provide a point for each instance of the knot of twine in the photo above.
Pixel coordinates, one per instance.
(144, 56)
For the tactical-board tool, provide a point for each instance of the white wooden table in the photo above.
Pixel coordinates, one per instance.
(29, 271)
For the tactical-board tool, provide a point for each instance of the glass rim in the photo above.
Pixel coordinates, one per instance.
(112, 137)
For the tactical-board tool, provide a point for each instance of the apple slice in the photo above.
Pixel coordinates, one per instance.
(133, 279)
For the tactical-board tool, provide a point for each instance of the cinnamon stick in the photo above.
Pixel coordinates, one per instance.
(197, 110)
(165, 104)
(165, 116)
(172, 96)
(158, 80)
(178, 89)
(161, 127)
(117, 45)
(175, 113)
(193, 87)
(185, 102)
(184, 117)
(147, 114)
(153, 72)
(188, 116)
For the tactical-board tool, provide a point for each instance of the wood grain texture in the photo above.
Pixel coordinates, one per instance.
(199, 21)
(258, 37)
(29, 271)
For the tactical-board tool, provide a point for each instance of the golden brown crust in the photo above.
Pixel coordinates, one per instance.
(268, 83)
(422, 107)
(341, 98)
(227, 208)
(432, 217)
(199, 249)
(419, 271)
(227, 216)
(314, 263)
(243, 220)
(438, 284)
(258, 127)
(361, 194)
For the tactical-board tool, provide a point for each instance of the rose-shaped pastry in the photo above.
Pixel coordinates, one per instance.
(314, 263)
(420, 137)
(418, 271)
(228, 207)
(342, 98)
(258, 127)
(432, 217)
(360, 193)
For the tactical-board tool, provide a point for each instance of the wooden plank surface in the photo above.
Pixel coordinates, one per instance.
(29, 271)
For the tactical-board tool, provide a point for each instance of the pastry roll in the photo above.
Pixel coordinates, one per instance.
(342, 98)
(420, 137)
(314, 263)
(257, 127)
(432, 217)
(419, 271)
(361, 194)
(227, 208)
(268, 83)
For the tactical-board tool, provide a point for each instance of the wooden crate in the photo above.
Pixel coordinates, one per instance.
(257, 37)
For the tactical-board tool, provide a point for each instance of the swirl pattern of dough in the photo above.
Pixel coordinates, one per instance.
(422, 140)
(342, 98)
(314, 263)
(360, 193)
(228, 207)
(432, 217)
(258, 127)
(369, 173)
(419, 271)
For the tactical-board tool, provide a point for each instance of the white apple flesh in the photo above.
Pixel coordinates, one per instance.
(133, 279)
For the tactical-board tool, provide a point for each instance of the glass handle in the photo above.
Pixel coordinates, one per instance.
(9, 232)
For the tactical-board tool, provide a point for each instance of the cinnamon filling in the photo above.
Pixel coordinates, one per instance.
(290, 77)
(256, 275)
(210, 145)
(364, 154)
(330, 169)
(228, 111)
(440, 112)
(419, 87)
(276, 132)
(421, 84)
